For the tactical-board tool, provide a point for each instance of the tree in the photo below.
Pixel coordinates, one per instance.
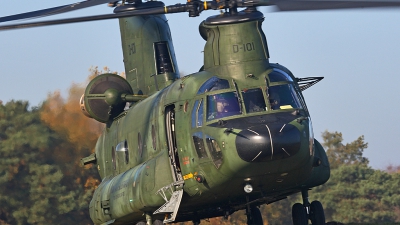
(355, 192)
(29, 184)
(359, 194)
(344, 154)
(41, 181)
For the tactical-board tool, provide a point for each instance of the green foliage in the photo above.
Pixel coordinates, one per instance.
(357, 193)
(344, 154)
(33, 187)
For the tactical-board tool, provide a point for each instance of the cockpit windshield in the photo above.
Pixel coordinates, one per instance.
(278, 75)
(283, 97)
(254, 100)
(213, 84)
(222, 105)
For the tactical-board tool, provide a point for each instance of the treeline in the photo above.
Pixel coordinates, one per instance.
(42, 182)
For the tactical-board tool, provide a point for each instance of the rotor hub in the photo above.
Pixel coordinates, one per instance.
(249, 14)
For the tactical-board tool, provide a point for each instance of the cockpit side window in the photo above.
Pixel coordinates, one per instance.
(222, 105)
(283, 97)
(254, 100)
(278, 75)
(213, 84)
(200, 114)
(197, 114)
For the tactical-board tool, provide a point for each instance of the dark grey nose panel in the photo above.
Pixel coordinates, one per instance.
(268, 142)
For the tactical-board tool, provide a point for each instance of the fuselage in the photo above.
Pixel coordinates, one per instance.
(241, 120)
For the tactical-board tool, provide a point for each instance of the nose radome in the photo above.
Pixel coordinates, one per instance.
(268, 142)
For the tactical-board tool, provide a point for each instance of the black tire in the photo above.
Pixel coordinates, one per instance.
(255, 218)
(196, 222)
(158, 222)
(317, 214)
(299, 214)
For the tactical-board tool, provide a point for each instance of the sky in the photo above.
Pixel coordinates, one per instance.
(356, 50)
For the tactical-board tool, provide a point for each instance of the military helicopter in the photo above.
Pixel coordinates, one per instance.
(235, 135)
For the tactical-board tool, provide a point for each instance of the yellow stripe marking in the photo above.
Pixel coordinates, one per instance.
(286, 107)
(188, 176)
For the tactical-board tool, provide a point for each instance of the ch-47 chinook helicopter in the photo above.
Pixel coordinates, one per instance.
(235, 135)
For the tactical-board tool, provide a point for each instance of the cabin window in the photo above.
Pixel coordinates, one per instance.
(114, 162)
(278, 75)
(199, 145)
(283, 97)
(213, 84)
(122, 148)
(163, 58)
(222, 105)
(254, 100)
(215, 150)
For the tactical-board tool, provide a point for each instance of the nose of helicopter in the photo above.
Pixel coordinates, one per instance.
(264, 143)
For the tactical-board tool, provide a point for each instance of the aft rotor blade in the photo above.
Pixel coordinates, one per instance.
(298, 5)
(152, 11)
(54, 10)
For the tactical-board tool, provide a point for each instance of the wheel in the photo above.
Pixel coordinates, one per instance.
(255, 217)
(158, 222)
(196, 222)
(141, 223)
(317, 214)
(299, 214)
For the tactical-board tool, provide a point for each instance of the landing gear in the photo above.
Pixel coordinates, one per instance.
(317, 215)
(254, 216)
(149, 221)
(196, 222)
(302, 212)
(158, 222)
(299, 214)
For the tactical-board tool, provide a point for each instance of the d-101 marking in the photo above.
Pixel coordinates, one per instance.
(243, 47)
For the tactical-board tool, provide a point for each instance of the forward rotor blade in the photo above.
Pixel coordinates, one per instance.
(297, 5)
(54, 11)
(152, 11)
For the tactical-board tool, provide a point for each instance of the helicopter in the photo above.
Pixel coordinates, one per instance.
(235, 135)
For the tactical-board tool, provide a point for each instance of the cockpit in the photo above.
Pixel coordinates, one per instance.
(222, 105)
(219, 100)
(227, 100)
(281, 92)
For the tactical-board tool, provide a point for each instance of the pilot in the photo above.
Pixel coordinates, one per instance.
(256, 104)
(221, 109)
(221, 106)
(274, 100)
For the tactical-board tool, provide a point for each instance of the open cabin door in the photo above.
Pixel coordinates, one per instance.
(171, 206)
(171, 139)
